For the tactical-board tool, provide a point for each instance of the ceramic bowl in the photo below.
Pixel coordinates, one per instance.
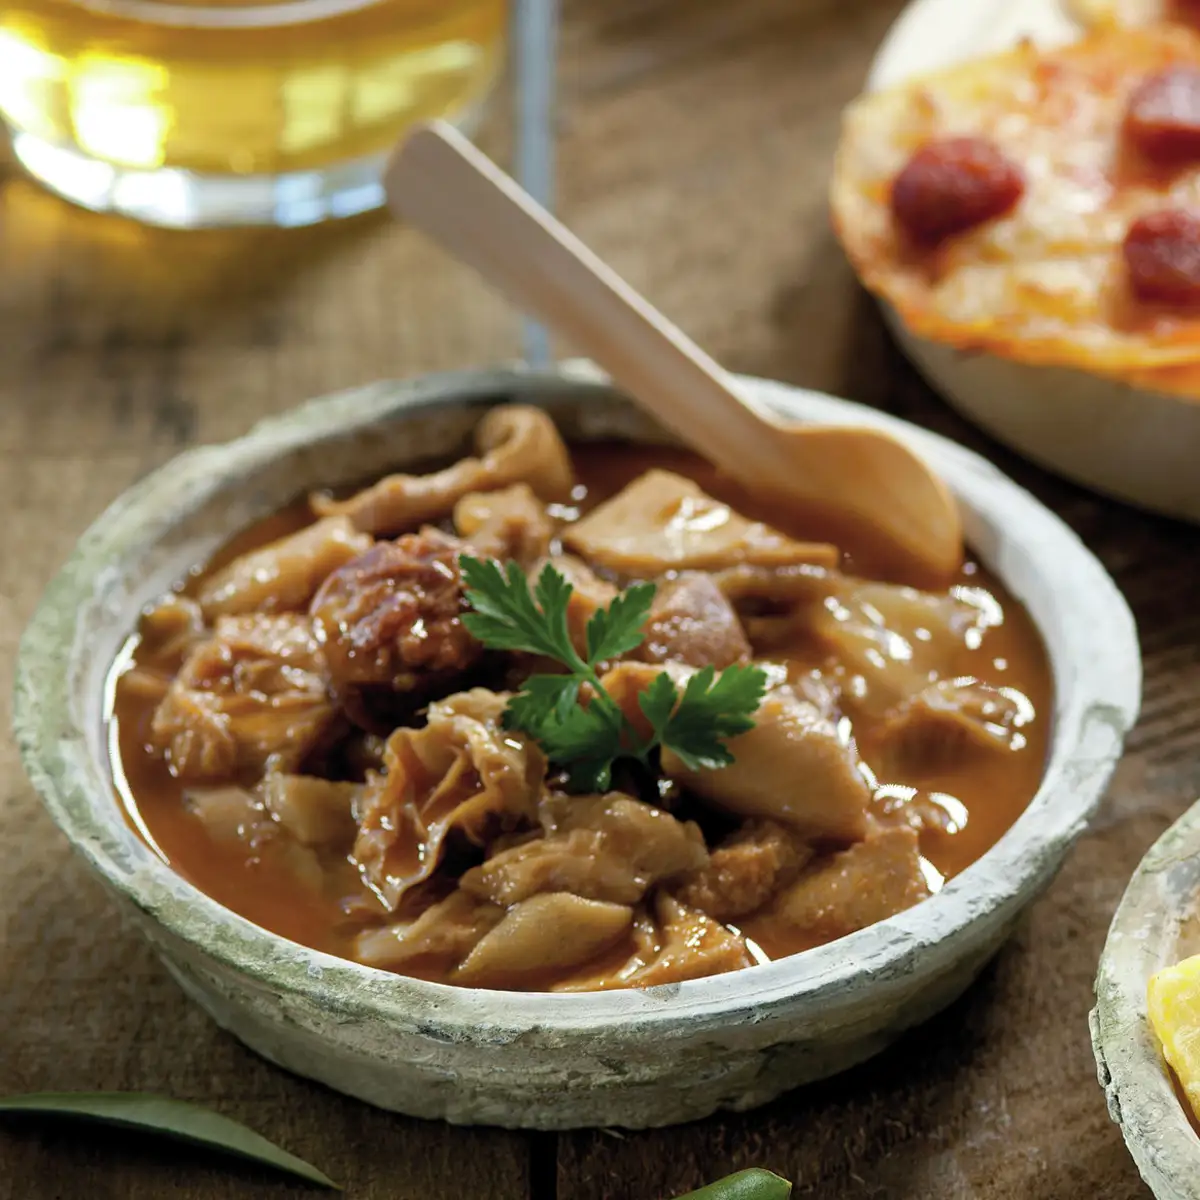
(1127, 442)
(1157, 925)
(630, 1058)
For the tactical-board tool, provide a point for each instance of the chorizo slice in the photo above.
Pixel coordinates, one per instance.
(392, 616)
(1162, 120)
(1162, 257)
(953, 184)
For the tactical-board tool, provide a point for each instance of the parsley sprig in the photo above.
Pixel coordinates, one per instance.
(588, 737)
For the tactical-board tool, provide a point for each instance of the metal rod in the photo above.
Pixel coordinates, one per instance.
(536, 58)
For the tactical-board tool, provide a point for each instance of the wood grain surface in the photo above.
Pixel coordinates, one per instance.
(696, 138)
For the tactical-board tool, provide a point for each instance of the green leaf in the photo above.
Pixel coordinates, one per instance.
(617, 629)
(754, 1184)
(584, 735)
(553, 594)
(712, 710)
(657, 703)
(505, 616)
(589, 778)
(542, 698)
(587, 739)
(169, 1118)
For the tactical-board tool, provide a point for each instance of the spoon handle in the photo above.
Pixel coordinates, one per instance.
(440, 183)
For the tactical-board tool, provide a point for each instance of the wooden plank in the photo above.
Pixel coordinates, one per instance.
(86, 1005)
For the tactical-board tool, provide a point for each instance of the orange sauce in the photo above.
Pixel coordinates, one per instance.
(981, 798)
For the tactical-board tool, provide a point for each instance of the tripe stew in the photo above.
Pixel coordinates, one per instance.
(308, 730)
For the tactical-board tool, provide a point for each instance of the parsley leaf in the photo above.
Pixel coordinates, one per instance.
(658, 702)
(712, 709)
(505, 615)
(571, 716)
(543, 698)
(617, 629)
(591, 732)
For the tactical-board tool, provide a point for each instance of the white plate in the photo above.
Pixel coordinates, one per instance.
(1136, 445)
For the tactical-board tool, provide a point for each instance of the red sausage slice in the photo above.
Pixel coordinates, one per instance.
(1162, 256)
(953, 184)
(1163, 117)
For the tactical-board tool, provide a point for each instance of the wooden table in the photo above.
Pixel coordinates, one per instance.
(696, 139)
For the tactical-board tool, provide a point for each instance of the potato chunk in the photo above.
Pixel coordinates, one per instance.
(547, 933)
(871, 881)
(792, 767)
(1173, 1005)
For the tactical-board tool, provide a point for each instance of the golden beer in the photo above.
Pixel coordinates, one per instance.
(231, 111)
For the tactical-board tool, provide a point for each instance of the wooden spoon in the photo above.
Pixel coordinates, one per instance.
(441, 184)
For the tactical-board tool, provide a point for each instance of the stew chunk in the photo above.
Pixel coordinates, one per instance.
(663, 522)
(254, 694)
(547, 933)
(692, 622)
(283, 576)
(746, 870)
(792, 767)
(874, 879)
(599, 847)
(462, 774)
(517, 444)
(507, 525)
(444, 934)
(393, 616)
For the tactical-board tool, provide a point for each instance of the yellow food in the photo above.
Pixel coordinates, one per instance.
(1173, 1001)
(1045, 283)
(1130, 14)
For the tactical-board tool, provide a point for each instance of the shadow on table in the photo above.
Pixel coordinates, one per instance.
(141, 1162)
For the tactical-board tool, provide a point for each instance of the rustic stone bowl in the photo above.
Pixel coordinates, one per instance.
(1157, 925)
(631, 1058)
(1132, 443)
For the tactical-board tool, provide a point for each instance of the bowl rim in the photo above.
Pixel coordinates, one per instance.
(1141, 1098)
(1094, 707)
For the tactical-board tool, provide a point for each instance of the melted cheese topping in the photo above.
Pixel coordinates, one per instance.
(1130, 14)
(1046, 283)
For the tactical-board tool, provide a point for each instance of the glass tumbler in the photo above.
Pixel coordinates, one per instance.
(200, 113)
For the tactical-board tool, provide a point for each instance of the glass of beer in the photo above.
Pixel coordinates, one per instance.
(194, 113)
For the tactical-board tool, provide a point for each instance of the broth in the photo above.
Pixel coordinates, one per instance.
(959, 808)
